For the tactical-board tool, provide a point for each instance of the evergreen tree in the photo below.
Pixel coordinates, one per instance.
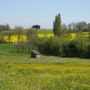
(57, 25)
(36, 27)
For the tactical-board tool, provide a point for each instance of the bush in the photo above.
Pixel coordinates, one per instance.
(61, 47)
(85, 50)
(57, 47)
(50, 46)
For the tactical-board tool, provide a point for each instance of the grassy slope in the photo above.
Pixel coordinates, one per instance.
(20, 72)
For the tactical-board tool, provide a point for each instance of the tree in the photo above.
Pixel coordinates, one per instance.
(89, 27)
(57, 25)
(36, 27)
(19, 31)
(9, 34)
(4, 27)
(31, 40)
(31, 35)
(89, 30)
(1, 37)
(7, 27)
(82, 26)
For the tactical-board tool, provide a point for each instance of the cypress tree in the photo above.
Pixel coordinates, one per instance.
(57, 25)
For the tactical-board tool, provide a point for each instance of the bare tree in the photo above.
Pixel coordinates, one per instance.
(19, 31)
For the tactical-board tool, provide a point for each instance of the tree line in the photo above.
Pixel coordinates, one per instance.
(73, 27)
(79, 26)
(4, 27)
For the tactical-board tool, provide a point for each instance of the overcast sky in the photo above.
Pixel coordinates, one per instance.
(29, 12)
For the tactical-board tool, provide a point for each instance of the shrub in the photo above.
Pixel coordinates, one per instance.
(85, 50)
(60, 47)
(57, 46)
(51, 46)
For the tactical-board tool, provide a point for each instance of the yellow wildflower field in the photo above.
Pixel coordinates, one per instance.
(33, 74)
(23, 38)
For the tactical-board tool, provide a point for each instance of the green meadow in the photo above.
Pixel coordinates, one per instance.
(45, 31)
(20, 72)
(44, 45)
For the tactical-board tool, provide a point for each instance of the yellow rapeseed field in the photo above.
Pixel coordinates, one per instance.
(23, 38)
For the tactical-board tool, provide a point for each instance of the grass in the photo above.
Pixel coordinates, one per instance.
(9, 50)
(20, 72)
(45, 32)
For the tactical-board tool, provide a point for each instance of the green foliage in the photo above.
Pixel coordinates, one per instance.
(89, 35)
(43, 31)
(60, 47)
(27, 47)
(49, 46)
(57, 25)
(31, 34)
(82, 26)
(36, 27)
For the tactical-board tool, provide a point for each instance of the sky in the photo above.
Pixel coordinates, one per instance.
(42, 12)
